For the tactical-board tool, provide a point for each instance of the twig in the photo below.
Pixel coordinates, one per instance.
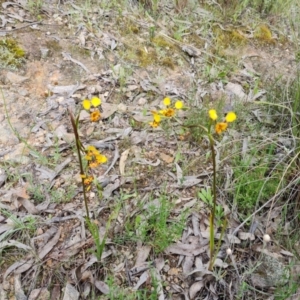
(116, 156)
(67, 56)
(21, 27)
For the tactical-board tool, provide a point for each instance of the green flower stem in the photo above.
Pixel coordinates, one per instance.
(220, 241)
(79, 147)
(213, 211)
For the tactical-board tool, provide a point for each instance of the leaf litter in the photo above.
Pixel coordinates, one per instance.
(60, 242)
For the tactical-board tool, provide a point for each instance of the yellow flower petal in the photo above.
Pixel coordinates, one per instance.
(86, 104)
(220, 127)
(95, 116)
(213, 114)
(101, 159)
(93, 164)
(230, 117)
(167, 101)
(88, 180)
(156, 116)
(95, 101)
(91, 148)
(154, 124)
(179, 104)
(170, 112)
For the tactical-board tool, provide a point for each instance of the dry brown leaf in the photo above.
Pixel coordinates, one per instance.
(43, 238)
(144, 161)
(39, 294)
(186, 249)
(179, 174)
(21, 192)
(142, 280)
(187, 265)
(236, 89)
(29, 206)
(142, 255)
(200, 271)
(122, 162)
(19, 293)
(13, 243)
(55, 293)
(93, 259)
(246, 236)
(65, 89)
(49, 246)
(70, 293)
(108, 110)
(6, 227)
(196, 226)
(220, 263)
(159, 263)
(102, 287)
(19, 267)
(230, 237)
(187, 181)
(286, 253)
(141, 118)
(195, 288)
(84, 115)
(3, 176)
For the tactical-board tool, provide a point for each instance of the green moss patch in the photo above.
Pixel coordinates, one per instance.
(12, 56)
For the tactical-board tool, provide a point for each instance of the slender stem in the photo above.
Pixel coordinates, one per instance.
(78, 147)
(213, 211)
(220, 240)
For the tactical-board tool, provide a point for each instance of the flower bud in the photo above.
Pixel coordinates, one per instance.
(228, 251)
(267, 238)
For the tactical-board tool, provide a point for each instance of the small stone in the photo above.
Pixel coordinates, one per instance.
(44, 52)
